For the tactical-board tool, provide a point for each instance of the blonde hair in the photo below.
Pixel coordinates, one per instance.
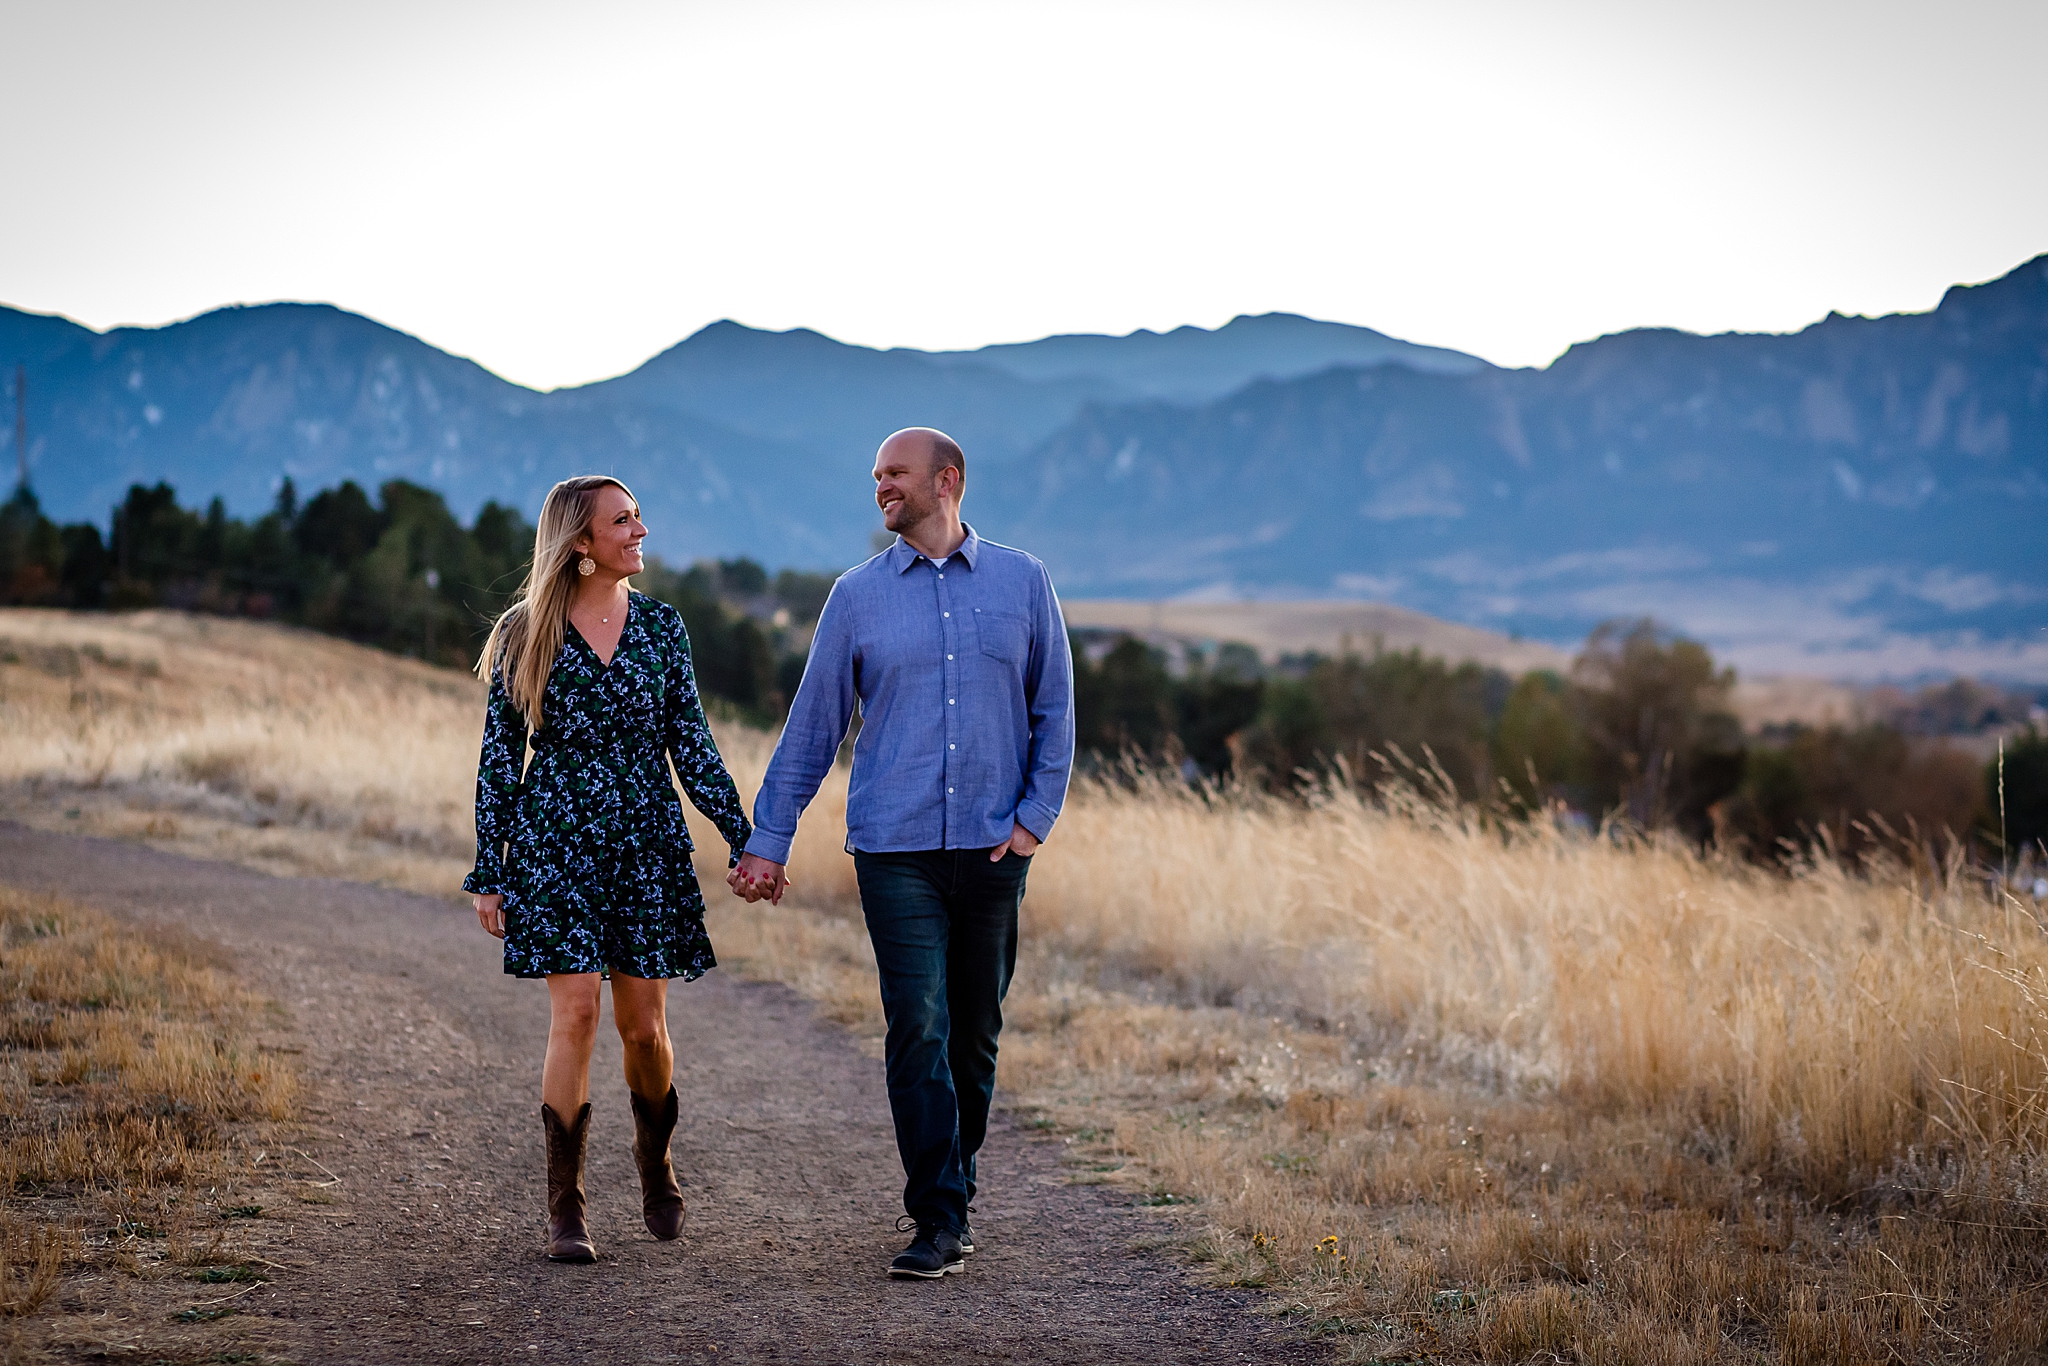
(526, 638)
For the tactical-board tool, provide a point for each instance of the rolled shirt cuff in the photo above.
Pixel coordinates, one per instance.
(766, 844)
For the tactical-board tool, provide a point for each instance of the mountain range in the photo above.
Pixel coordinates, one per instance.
(1862, 498)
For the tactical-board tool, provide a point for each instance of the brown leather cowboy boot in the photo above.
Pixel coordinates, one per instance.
(568, 1237)
(661, 1199)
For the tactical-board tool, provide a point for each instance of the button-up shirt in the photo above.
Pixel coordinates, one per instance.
(965, 687)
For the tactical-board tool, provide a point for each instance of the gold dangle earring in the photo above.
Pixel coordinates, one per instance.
(586, 566)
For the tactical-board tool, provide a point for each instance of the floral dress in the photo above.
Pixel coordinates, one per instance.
(590, 848)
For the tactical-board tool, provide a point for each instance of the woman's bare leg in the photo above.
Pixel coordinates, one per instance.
(640, 1009)
(572, 1033)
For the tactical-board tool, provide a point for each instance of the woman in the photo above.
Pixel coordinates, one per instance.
(583, 865)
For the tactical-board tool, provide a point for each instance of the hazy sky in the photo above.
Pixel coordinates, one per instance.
(562, 190)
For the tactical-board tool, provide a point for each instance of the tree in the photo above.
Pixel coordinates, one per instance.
(31, 552)
(803, 594)
(2024, 802)
(1124, 703)
(1849, 783)
(742, 578)
(339, 525)
(1537, 748)
(1661, 746)
(1215, 703)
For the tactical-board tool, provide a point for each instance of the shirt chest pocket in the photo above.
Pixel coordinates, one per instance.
(1003, 636)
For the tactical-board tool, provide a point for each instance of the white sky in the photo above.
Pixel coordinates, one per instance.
(562, 190)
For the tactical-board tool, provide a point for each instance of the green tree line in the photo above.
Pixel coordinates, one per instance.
(399, 572)
(1639, 728)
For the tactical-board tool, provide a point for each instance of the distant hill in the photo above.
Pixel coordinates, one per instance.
(745, 441)
(1863, 497)
(1193, 364)
(232, 401)
(838, 401)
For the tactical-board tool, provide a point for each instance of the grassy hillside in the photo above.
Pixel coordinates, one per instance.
(1450, 1091)
(1323, 627)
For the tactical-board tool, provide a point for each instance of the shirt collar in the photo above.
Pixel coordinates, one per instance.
(902, 555)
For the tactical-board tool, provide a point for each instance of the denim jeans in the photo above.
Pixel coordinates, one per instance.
(944, 926)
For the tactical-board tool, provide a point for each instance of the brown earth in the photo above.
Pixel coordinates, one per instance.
(423, 1062)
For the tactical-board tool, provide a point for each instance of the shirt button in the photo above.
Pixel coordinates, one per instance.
(949, 792)
(943, 576)
(952, 746)
(949, 656)
(949, 701)
(945, 614)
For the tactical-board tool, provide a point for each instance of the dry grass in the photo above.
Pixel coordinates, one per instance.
(1458, 1093)
(231, 739)
(123, 1057)
(129, 1069)
(1448, 1092)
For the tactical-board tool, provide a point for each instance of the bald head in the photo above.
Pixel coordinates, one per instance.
(928, 444)
(919, 474)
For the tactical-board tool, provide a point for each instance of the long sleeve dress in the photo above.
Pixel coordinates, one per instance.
(589, 847)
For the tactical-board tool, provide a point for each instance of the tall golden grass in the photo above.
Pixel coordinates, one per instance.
(1450, 1088)
(283, 748)
(127, 1066)
(1811, 1027)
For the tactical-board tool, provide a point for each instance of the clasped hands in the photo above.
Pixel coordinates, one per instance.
(756, 879)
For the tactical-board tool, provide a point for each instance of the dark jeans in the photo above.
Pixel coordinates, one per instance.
(944, 926)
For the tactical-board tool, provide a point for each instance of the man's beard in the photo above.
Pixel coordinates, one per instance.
(911, 514)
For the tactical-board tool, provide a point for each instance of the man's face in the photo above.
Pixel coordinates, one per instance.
(907, 486)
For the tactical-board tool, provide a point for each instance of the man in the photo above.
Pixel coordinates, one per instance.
(955, 654)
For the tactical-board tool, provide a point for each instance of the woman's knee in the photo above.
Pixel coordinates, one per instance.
(574, 1014)
(642, 1030)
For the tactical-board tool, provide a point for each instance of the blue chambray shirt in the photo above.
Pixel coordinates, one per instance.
(965, 686)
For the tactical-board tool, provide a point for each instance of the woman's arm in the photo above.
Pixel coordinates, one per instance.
(687, 737)
(498, 772)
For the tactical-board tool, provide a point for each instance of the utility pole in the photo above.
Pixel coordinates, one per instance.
(21, 424)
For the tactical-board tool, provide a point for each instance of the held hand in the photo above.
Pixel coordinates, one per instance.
(1022, 843)
(490, 912)
(755, 878)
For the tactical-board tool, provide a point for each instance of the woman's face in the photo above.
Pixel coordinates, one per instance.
(616, 532)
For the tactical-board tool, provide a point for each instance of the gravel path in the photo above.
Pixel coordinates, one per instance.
(425, 1063)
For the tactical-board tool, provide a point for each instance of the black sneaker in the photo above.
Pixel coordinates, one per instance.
(966, 1238)
(935, 1252)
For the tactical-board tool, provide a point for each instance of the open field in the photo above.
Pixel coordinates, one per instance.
(1447, 1093)
(1325, 627)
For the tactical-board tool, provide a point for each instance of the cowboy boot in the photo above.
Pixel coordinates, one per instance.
(568, 1237)
(661, 1199)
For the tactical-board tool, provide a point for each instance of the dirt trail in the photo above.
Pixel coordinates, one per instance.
(424, 1059)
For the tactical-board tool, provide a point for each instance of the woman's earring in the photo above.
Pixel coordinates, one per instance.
(586, 566)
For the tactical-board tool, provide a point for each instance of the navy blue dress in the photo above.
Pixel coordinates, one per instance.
(589, 847)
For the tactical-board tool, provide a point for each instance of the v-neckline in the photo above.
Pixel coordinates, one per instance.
(603, 664)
